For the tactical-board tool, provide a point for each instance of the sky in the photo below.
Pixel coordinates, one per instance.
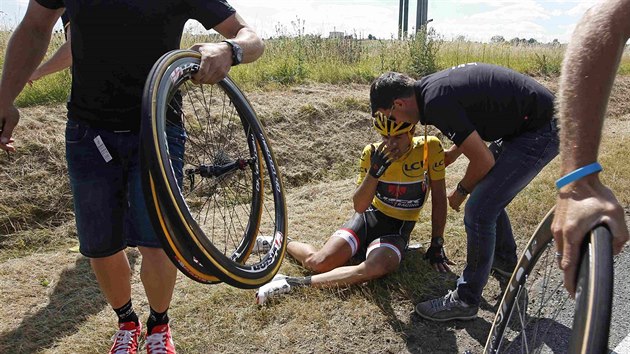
(479, 20)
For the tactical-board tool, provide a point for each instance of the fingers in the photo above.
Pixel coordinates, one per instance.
(454, 200)
(569, 264)
(216, 62)
(442, 267)
(6, 130)
(618, 228)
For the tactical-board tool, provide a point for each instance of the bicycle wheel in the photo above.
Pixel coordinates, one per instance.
(535, 313)
(210, 200)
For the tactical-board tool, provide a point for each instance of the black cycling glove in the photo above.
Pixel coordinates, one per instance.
(435, 254)
(379, 161)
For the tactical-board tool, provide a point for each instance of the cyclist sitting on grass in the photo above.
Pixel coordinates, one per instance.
(394, 180)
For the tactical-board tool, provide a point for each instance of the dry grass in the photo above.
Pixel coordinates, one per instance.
(51, 302)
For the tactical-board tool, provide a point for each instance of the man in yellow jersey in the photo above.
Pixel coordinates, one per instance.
(395, 178)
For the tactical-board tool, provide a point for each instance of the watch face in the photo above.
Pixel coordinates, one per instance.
(238, 53)
(438, 241)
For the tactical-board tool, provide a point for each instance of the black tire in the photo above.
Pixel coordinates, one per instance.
(526, 324)
(230, 190)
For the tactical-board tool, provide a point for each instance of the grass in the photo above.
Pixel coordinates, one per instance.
(296, 58)
(317, 131)
(311, 94)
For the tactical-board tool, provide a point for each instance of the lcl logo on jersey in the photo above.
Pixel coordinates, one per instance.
(438, 166)
(413, 169)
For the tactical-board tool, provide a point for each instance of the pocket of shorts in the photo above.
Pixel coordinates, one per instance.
(75, 132)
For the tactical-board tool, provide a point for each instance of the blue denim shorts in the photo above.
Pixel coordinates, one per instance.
(105, 178)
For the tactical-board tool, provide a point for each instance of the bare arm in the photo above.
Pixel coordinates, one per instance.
(481, 161)
(364, 194)
(588, 72)
(24, 52)
(60, 60)
(216, 58)
(438, 207)
(451, 155)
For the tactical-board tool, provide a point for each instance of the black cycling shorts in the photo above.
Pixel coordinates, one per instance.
(372, 229)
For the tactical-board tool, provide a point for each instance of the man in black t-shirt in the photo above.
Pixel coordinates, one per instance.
(114, 46)
(472, 103)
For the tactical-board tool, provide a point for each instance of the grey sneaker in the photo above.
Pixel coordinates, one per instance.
(263, 244)
(446, 308)
(503, 267)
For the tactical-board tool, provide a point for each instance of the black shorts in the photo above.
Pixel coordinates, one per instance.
(372, 229)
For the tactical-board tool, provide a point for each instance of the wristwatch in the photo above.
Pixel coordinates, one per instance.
(461, 190)
(437, 241)
(237, 52)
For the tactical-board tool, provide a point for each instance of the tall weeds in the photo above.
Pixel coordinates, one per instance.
(294, 57)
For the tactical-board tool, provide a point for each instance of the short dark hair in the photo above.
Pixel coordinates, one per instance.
(388, 87)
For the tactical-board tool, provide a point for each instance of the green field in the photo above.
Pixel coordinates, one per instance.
(303, 59)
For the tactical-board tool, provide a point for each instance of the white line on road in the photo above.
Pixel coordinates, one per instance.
(623, 347)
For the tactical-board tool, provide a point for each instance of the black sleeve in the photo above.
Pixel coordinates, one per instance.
(450, 118)
(210, 12)
(51, 4)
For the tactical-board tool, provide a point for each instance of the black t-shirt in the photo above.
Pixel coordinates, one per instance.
(114, 45)
(495, 101)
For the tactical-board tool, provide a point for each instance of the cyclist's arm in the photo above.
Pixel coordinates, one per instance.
(364, 194)
(58, 61)
(438, 207)
(24, 52)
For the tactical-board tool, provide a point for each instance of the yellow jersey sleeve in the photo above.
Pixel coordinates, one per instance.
(364, 162)
(436, 167)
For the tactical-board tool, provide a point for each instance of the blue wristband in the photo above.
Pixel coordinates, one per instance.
(577, 174)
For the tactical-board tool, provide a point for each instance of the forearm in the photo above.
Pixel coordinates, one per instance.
(21, 60)
(252, 44)
(364, 194)
(59, 61)
(475, 172)
(588, 72)
(438, 208)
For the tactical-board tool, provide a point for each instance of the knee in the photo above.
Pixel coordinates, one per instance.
(375, 270)
(318, 263)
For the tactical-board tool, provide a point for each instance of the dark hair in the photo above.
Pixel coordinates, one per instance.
(388, 87)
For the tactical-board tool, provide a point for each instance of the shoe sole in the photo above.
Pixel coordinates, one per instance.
(502, 272)
(461, 318)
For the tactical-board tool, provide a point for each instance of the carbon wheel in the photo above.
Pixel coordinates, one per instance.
(535, 314)
(211, 180)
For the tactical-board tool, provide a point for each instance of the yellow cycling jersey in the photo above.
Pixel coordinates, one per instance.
(401, 190)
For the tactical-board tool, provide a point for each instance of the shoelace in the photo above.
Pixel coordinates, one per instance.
(445, 301)
(156, 343)
(123, 340)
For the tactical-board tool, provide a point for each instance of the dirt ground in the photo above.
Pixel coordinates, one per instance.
(52, 304)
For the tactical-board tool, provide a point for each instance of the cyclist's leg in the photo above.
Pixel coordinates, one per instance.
(382, 255)
(334, 253)
(379, 262)
(337, 251)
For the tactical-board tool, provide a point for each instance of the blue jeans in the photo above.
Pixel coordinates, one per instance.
(488, 228)
(109, 204)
